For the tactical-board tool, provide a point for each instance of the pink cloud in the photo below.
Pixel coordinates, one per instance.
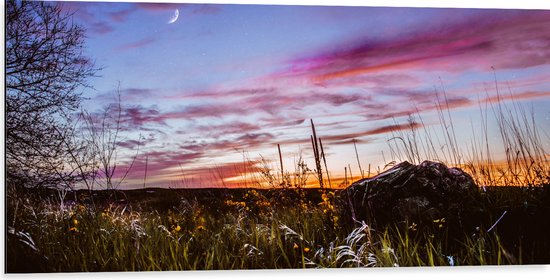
(290, 109)
(100, 28)
(218, 146)
(129, 144)
(375, 104)
(230, 174)
(255, 138)
(373, 80)
(347, 138)
(504, 39)
(80, 9)
(228, 128)
(214, 94)
(136, 45)
(127, 95)
(347, 142)
(156, 163)
(134, 144)
(413, 102)
(218, 110)
(374, 131)
(120, 16)
(206, 9)
(158, 6)
(84, 11)
(517, 96)
(133, 94)
(176, 171)
(137, 116)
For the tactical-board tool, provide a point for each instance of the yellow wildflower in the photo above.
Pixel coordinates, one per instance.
(440, 222)
(295, 246)
(306, 249)
(200, 228)
(73, 229)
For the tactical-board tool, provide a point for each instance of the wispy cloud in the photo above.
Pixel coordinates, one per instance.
(133, 144)
(374, 131)
(128, 95)
(158, 6)
(175, 171)
(217, 130)
(137, 44)
(121, 16)
(100, 28)
(206, 9)
(516, 96)
(160, 163)
(348, 138)
(213, 147)
(137, 116)
(503, 39)
(87, 13)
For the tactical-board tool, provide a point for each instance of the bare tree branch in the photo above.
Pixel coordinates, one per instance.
(45, 68)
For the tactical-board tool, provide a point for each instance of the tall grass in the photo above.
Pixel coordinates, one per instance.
(524, 161)
(248, 232)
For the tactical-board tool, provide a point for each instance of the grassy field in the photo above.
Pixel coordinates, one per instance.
(204, 229)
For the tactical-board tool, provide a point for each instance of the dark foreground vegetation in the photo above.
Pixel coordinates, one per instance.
(188, 229)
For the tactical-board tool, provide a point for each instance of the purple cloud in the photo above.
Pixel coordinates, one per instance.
(100, 28)
(206, 9)
(120, 16)
(137, 116)
(158, 6)
(136, 45)
(504, 39)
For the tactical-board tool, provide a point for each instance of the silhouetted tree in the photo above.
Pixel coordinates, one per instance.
(45, 68)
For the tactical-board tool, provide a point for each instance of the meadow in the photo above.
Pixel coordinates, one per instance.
(160, 229)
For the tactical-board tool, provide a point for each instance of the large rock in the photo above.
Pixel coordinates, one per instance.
(420, 194)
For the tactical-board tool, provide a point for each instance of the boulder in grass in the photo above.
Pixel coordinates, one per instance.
(419, 194)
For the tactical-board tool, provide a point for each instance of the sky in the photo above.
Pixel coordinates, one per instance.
(206, 98)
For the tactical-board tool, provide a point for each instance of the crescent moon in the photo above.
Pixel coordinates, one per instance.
(174, 17)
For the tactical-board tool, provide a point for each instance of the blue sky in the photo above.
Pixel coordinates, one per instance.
(228, 80)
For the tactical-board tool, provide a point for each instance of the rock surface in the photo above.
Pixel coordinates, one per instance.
(420, 194)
